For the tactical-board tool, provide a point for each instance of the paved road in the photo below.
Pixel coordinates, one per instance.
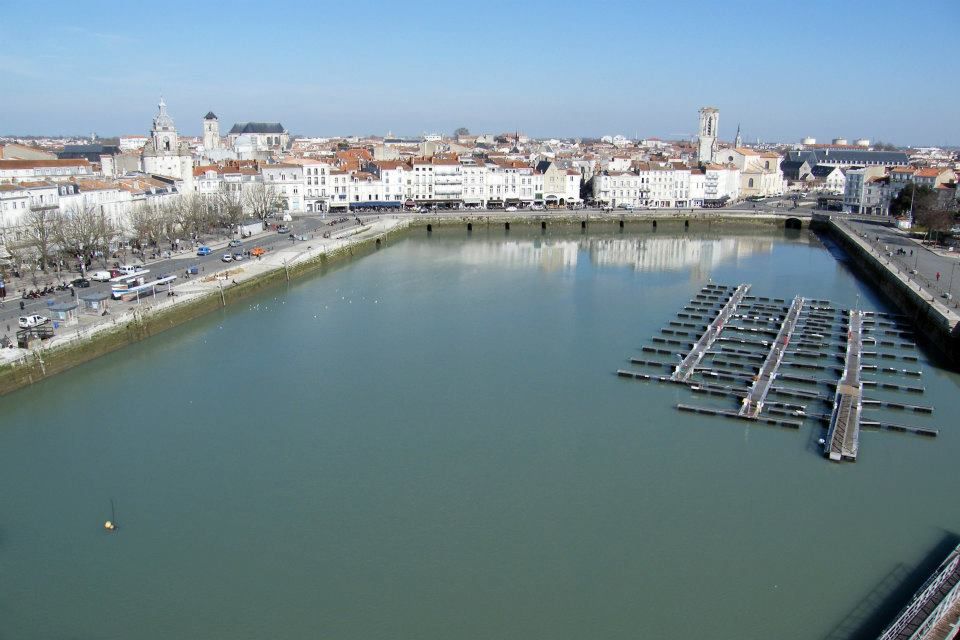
(176, 265)
(926, 262)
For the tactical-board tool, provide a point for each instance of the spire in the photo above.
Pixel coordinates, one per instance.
(737, 140)
(162, 121)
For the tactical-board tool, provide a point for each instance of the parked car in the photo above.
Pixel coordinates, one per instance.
(283, 229)
(204, 251)
(81, 283)
(227, 257)
(235, 243)
(100, 276)
(238, 256)
(28, 322)
(510, 209)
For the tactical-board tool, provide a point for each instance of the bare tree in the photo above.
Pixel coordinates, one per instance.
(83, 232)
(229, 207)
(196, 214)
(262, 200)
(146, 222)
(39, 227)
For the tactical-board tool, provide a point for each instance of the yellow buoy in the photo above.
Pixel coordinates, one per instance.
(109, 526)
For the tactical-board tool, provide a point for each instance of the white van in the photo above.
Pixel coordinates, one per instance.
(127, 269)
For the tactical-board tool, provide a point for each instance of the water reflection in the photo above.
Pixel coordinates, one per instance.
(648, 253)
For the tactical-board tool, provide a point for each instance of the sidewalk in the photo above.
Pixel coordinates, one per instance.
(188, 290)
(919, 276)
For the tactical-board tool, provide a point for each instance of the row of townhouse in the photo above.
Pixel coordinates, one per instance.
(310, 185)
(33, 170)
(870, 190)
(667, 186)
(20, 201)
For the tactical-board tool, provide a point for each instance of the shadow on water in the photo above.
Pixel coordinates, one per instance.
(882, 603)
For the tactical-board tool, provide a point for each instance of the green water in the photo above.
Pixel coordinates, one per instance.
(429, 442)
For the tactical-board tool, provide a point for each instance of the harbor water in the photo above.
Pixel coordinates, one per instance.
(431, 442)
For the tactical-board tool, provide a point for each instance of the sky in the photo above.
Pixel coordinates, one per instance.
(846, 68)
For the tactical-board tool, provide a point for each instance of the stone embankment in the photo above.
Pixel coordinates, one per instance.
(937, 322)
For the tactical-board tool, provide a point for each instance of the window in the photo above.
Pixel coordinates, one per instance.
(750, 184)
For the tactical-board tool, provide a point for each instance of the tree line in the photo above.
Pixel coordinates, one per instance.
(52, 237)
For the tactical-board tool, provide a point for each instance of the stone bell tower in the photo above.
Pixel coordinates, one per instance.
(707, 136)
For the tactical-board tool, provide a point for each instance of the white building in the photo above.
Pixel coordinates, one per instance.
(760, 173)
(855, 196)
(287, 181)
(132, 143)
(722, 185)
(17, 170)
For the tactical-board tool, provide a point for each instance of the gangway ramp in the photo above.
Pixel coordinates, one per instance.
(843, 436)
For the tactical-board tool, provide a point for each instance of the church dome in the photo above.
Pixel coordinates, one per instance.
(162, 120)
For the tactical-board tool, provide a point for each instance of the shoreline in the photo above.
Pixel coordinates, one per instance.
(197, 297)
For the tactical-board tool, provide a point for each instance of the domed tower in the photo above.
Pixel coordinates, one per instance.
(211, 132)
(164, 133)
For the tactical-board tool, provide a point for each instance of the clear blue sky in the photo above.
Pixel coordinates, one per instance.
(883, 70)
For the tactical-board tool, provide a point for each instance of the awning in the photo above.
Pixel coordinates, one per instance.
(370, 204)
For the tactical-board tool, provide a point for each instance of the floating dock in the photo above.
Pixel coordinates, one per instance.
(688, 365)
(745, 350)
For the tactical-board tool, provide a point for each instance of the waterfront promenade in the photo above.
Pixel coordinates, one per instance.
(213, 282)
(919, 265)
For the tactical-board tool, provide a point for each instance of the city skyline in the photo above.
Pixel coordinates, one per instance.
(549, 70)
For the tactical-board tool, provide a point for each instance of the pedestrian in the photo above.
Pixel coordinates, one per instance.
(938, 276)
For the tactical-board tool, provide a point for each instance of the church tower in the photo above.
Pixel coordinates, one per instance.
(164, 154)
(164, 133)
(211, 132)
(738, 141)
(707, 137)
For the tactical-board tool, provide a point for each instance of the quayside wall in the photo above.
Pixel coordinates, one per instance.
(138, 325)
(939, 329)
